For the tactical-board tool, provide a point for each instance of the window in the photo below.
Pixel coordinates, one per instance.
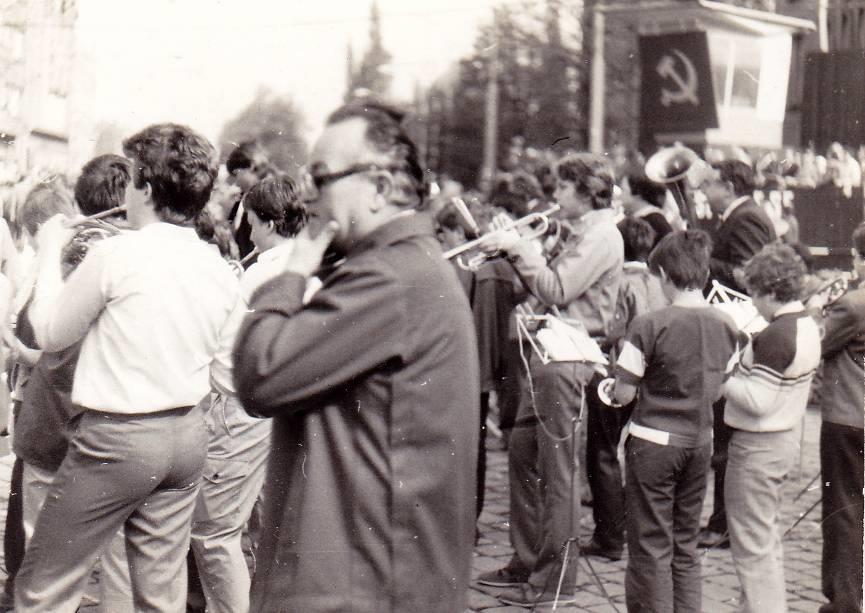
(735, 69)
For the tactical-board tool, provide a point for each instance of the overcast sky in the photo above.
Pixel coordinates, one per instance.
(200, 61)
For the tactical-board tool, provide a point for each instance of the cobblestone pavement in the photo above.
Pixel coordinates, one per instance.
(802, 545)
(720, 585)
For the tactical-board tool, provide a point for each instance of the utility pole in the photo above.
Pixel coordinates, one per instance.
(491, 123)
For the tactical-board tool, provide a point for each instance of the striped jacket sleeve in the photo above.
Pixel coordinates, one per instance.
(764, 379)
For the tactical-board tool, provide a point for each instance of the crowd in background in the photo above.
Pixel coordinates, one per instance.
(618, 258)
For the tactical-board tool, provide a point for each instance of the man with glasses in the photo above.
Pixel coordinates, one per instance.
(373, 387)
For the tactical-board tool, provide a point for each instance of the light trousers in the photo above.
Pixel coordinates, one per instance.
(237, 456)
(139, 472)
(757, 466)
(115, 591)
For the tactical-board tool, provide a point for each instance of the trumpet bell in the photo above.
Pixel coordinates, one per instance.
(670, 164)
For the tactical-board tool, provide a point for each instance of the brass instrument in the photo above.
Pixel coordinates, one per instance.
(831, 291)
(670, 166)
(475, 261)
(108, 213)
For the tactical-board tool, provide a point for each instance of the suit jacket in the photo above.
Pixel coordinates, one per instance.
(373, 387)
(739, 237)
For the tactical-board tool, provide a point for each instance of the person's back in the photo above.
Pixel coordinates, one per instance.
(682, 379)
(677, 358)
(184, 288)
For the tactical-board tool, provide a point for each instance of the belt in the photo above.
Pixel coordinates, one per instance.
(662, 437)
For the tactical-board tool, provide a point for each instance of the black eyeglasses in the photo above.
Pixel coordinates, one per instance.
(312, 182)
(320, 180)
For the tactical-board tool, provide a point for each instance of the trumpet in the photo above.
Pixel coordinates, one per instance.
(830, 292)
(475, 261)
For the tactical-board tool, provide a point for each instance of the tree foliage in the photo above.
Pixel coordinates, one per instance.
(372, 75)
(538, 73)
(276, 123)
(544, 56)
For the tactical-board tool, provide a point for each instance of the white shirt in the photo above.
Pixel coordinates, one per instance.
(733, 206)
(269, 264)
(159, 309)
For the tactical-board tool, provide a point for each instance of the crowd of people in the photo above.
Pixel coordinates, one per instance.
(283, 385)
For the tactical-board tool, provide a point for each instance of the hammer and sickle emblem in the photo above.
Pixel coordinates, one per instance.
(687, 83)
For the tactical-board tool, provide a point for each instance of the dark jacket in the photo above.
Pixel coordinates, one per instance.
(373, 387)
(843, 350)
(739, 237)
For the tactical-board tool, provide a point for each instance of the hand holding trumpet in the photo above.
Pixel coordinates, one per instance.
(503, 235)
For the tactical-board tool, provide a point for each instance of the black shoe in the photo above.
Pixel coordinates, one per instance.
(527, 597)
(593, 548)
(709, 539)
(504, 577)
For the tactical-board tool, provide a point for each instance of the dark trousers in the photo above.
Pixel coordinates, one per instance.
(722, 434)
(509, 388)
(482, 455)
(13, 537)
(664, 491)
(604, 429)
(842, 468)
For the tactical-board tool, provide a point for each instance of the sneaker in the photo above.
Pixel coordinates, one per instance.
(527, 597)
(593, 548)
(709, 539)
(504, 577)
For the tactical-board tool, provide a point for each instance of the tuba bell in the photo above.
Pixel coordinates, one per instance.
(670, 166)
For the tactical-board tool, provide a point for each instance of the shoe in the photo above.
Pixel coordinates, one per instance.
(709, 539)
(504, 577)
(593, 548)
(527, 597)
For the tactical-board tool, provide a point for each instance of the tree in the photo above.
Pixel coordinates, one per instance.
(275, 122)
(537, 103)
(372, 75)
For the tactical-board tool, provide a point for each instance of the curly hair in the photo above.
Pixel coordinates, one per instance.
(777, 271)
(277, 199)
(386, 132)
(684, 256)
(180, 166)
(591, 174)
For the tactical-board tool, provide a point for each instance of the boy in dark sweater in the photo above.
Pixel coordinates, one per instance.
(677, 357)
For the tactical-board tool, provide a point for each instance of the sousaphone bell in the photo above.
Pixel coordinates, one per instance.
(670, 166)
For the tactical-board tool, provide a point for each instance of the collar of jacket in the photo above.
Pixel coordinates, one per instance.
(401, 226)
